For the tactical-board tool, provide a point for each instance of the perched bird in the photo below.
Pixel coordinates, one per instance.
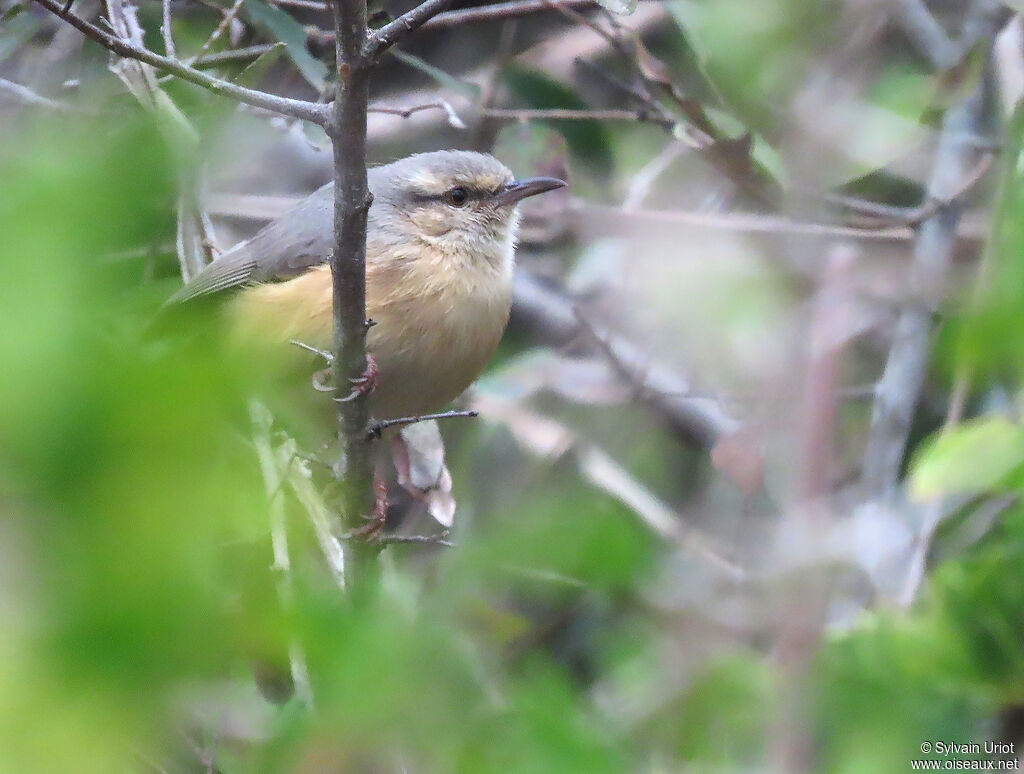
(439, 258)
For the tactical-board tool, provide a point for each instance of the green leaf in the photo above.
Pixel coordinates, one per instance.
(975, 456)
(445, 80)
(279, 25)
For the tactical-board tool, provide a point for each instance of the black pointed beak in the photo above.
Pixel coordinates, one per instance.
(518, 190)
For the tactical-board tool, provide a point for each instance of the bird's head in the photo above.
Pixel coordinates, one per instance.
(459, 201)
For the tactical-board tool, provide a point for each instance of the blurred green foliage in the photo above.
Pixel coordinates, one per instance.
(134, 549)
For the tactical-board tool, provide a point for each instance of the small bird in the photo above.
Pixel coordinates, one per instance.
(440, 250)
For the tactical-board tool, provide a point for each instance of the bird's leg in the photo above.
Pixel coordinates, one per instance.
(375, 525)
(365, 383)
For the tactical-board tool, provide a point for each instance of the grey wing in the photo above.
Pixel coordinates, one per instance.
(298, 240)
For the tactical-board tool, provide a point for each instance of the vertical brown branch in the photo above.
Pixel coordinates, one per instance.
(348, 266)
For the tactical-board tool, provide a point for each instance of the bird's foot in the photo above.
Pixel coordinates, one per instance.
(375, 524)
(364, 384)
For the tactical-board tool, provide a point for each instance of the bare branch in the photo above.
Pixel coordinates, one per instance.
(699, 420)
(388, 35)
(347, 129)
(23, 95)
(165, 30)
(296, 108)
(926, 33)
(380, 426)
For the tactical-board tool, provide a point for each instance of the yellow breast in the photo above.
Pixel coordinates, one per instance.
(437, 324)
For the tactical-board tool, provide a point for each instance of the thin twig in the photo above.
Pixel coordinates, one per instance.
(559, 114)
(390, 34)
(380, 426)
(430, 540)
(225, 22)
(406, 112)
(25, 96)
(296, 108)
(327, 356)
(926, 33)
(165, 30)
(642, 181)
(887, 214)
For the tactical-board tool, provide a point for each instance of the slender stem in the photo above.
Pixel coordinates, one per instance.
(296, 108)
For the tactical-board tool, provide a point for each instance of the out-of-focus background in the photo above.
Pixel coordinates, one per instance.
(744, 494)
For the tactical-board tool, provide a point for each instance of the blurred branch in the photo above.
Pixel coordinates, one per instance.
(701, 421)
(225, 22)
(608, 219)
(546, 437)
(933, 511)
(405, 112)
(527, 114)
(165, 29)
(913, 216)
(647, 176)
(296, 108)
(381, 425)
(273, 466)
(429, 540)
(903, 377)
(926, 33)
(596, 220)
(22, 95)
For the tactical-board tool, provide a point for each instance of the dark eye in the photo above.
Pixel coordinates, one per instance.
(457, 196)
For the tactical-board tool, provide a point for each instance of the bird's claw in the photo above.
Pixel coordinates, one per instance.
(375, 524)
(364, 384)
